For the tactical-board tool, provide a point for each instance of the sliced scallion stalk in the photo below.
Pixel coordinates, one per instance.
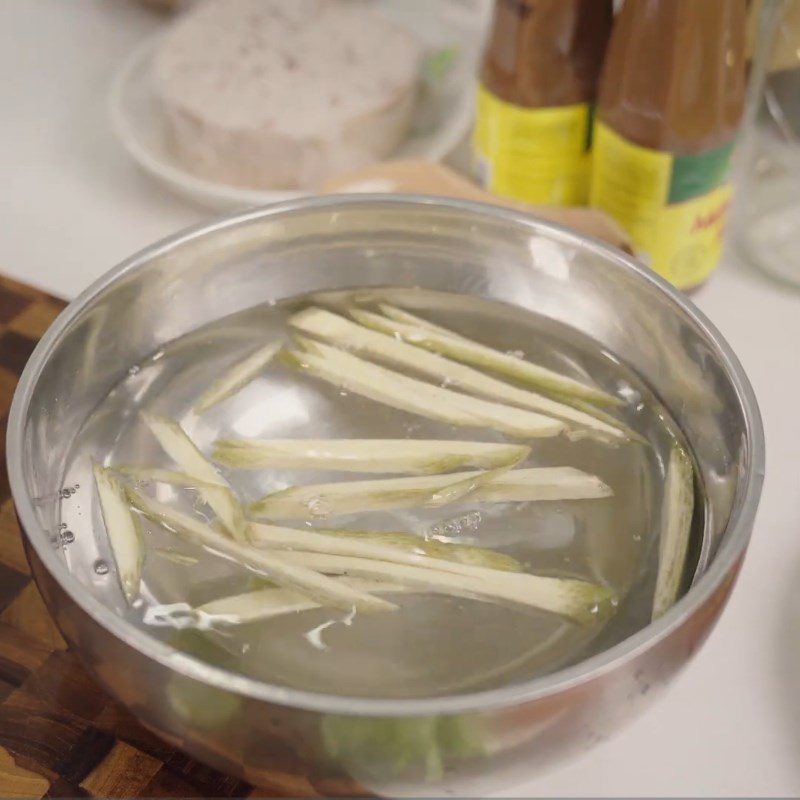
(237, 378)
(267, 603)
(181, 449)
(603, 416)
(456, 492)
(543, 483)
(176, 557)
(578, 600)
(291, 576)
(123, 531)
(406, 456)
(448, 343)
(169, 476)
(349, 335)
(348, 497)
(407, 318)
(384, 385)
(448, 551)
(676, 523)
(315, 541)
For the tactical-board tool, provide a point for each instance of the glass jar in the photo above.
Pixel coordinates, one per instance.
(767, 229)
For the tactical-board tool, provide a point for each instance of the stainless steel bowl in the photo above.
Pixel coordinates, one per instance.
(252, 729)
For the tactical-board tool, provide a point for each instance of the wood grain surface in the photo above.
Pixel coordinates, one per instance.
(60, 734)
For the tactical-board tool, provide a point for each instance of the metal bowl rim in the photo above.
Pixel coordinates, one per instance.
(734, 543)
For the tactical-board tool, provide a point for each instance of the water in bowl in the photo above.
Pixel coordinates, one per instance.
(434, 645)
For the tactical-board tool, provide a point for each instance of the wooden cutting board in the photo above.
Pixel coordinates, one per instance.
(61, 735)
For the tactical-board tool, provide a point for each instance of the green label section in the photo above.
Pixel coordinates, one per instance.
(696, 175)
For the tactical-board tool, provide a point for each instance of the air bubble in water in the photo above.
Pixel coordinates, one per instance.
(451, 528)
(472, 520)
(631, 395)
(67, 537)
(101, 567)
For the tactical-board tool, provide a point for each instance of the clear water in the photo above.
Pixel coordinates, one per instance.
(434, 645)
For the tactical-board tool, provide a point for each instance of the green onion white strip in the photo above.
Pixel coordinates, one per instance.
(237, 378)
(123, 531)
(455, 492)
(676, 523)
(584, 602)
(280, 538)
(407, 318)
(448, 551)
(344, 333)
(348, 497)
(406, 456)
(168, 476)
(399, 391)
(181, 449)
(268, 603)
(422, 333)
(177, 558)
(291, 576)
(602, 416)
(543, 483)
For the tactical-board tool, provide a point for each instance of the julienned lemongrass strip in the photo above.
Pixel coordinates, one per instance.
(344, 333)
(224, 494)
(406, 456)
(291, 576)
(584, 602)
(169, 476)
(423, 334)
(409, 394)
(123, 531)
(312, 541)
(267, 603)
(446, 404)
(676, 522)
(455, 492)
(347, 497)
(237, 378)
(181, 449)
(406, 317)
(177, 558)
(603, 416)
(448, 551)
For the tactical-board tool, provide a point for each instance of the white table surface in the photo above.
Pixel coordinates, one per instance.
(72, 205)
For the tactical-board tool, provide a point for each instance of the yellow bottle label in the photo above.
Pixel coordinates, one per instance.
(673, 208)
(538, 155)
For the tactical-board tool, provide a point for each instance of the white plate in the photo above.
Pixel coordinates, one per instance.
(442, 117)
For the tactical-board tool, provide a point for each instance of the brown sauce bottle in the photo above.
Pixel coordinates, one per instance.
(671, 99)
(537, 87)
